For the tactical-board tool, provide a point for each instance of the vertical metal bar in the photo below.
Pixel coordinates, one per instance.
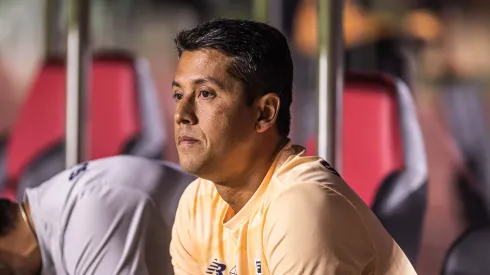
(330, 80)
(275, 13)
(77, 84)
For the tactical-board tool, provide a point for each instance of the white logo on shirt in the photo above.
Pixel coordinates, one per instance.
(258, 267)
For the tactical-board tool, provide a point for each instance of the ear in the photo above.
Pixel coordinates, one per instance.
(267, 111)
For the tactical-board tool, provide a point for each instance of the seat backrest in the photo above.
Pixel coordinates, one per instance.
(371, 138)
(39, 125)
(468, 255)
(401, 200)
(383, 154)
(152, 138)
(114, 120)
(380, 132)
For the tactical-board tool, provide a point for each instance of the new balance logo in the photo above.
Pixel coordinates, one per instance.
(216, 268)
(77, 170)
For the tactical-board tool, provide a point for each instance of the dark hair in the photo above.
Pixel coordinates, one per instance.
(260, 58)
(8, 216)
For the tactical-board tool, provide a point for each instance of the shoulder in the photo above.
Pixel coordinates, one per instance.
(316, 209)
(104, 169)
(157, 179)
(60, 204)
(151, 177)
(311, 174)
(162, 182)
(123, 165)
(299, 168)
(200, 189)
(200, 195)
(313, 197)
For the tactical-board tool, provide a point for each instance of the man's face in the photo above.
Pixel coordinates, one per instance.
(214, 126)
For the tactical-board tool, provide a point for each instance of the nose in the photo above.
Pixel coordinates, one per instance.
(185, 111)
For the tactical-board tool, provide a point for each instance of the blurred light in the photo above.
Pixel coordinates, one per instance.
(423, 25)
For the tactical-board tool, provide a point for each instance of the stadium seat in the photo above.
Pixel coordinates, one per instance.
(123, 118)
(383, 154)
(469, 253)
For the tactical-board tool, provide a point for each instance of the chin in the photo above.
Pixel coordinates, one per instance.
(190, 164)
(189, 168)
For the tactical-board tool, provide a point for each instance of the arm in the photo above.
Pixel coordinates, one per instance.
(106, 233)
(310, 229)
(182, 249)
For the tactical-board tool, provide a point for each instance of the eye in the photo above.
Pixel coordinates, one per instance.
(177, 96)
(206, 94)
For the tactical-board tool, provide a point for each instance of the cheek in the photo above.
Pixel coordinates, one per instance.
(225, 124)
(214, 121)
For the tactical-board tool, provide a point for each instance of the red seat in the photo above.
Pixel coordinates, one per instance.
(117, 120)
(383, 154)
(371, 133)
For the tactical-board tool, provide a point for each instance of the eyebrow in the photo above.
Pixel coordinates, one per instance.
(203, 80)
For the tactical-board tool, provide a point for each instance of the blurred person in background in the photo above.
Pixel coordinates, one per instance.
(108, 216)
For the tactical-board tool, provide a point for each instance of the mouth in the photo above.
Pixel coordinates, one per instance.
(187, 140)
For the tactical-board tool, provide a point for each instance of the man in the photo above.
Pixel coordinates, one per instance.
(109, 216)
(259, 206)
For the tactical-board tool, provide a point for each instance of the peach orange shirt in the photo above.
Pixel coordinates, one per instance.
(303, 219)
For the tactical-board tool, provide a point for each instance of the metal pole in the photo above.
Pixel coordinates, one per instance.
(77, 84)
(275, 14)
(330, 80)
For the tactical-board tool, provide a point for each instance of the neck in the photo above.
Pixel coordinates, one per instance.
(238, 190)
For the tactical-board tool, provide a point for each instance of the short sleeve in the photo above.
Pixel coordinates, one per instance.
(311, 229)
(182, 249)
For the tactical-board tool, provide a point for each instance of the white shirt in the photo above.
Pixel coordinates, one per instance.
(108, 216)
